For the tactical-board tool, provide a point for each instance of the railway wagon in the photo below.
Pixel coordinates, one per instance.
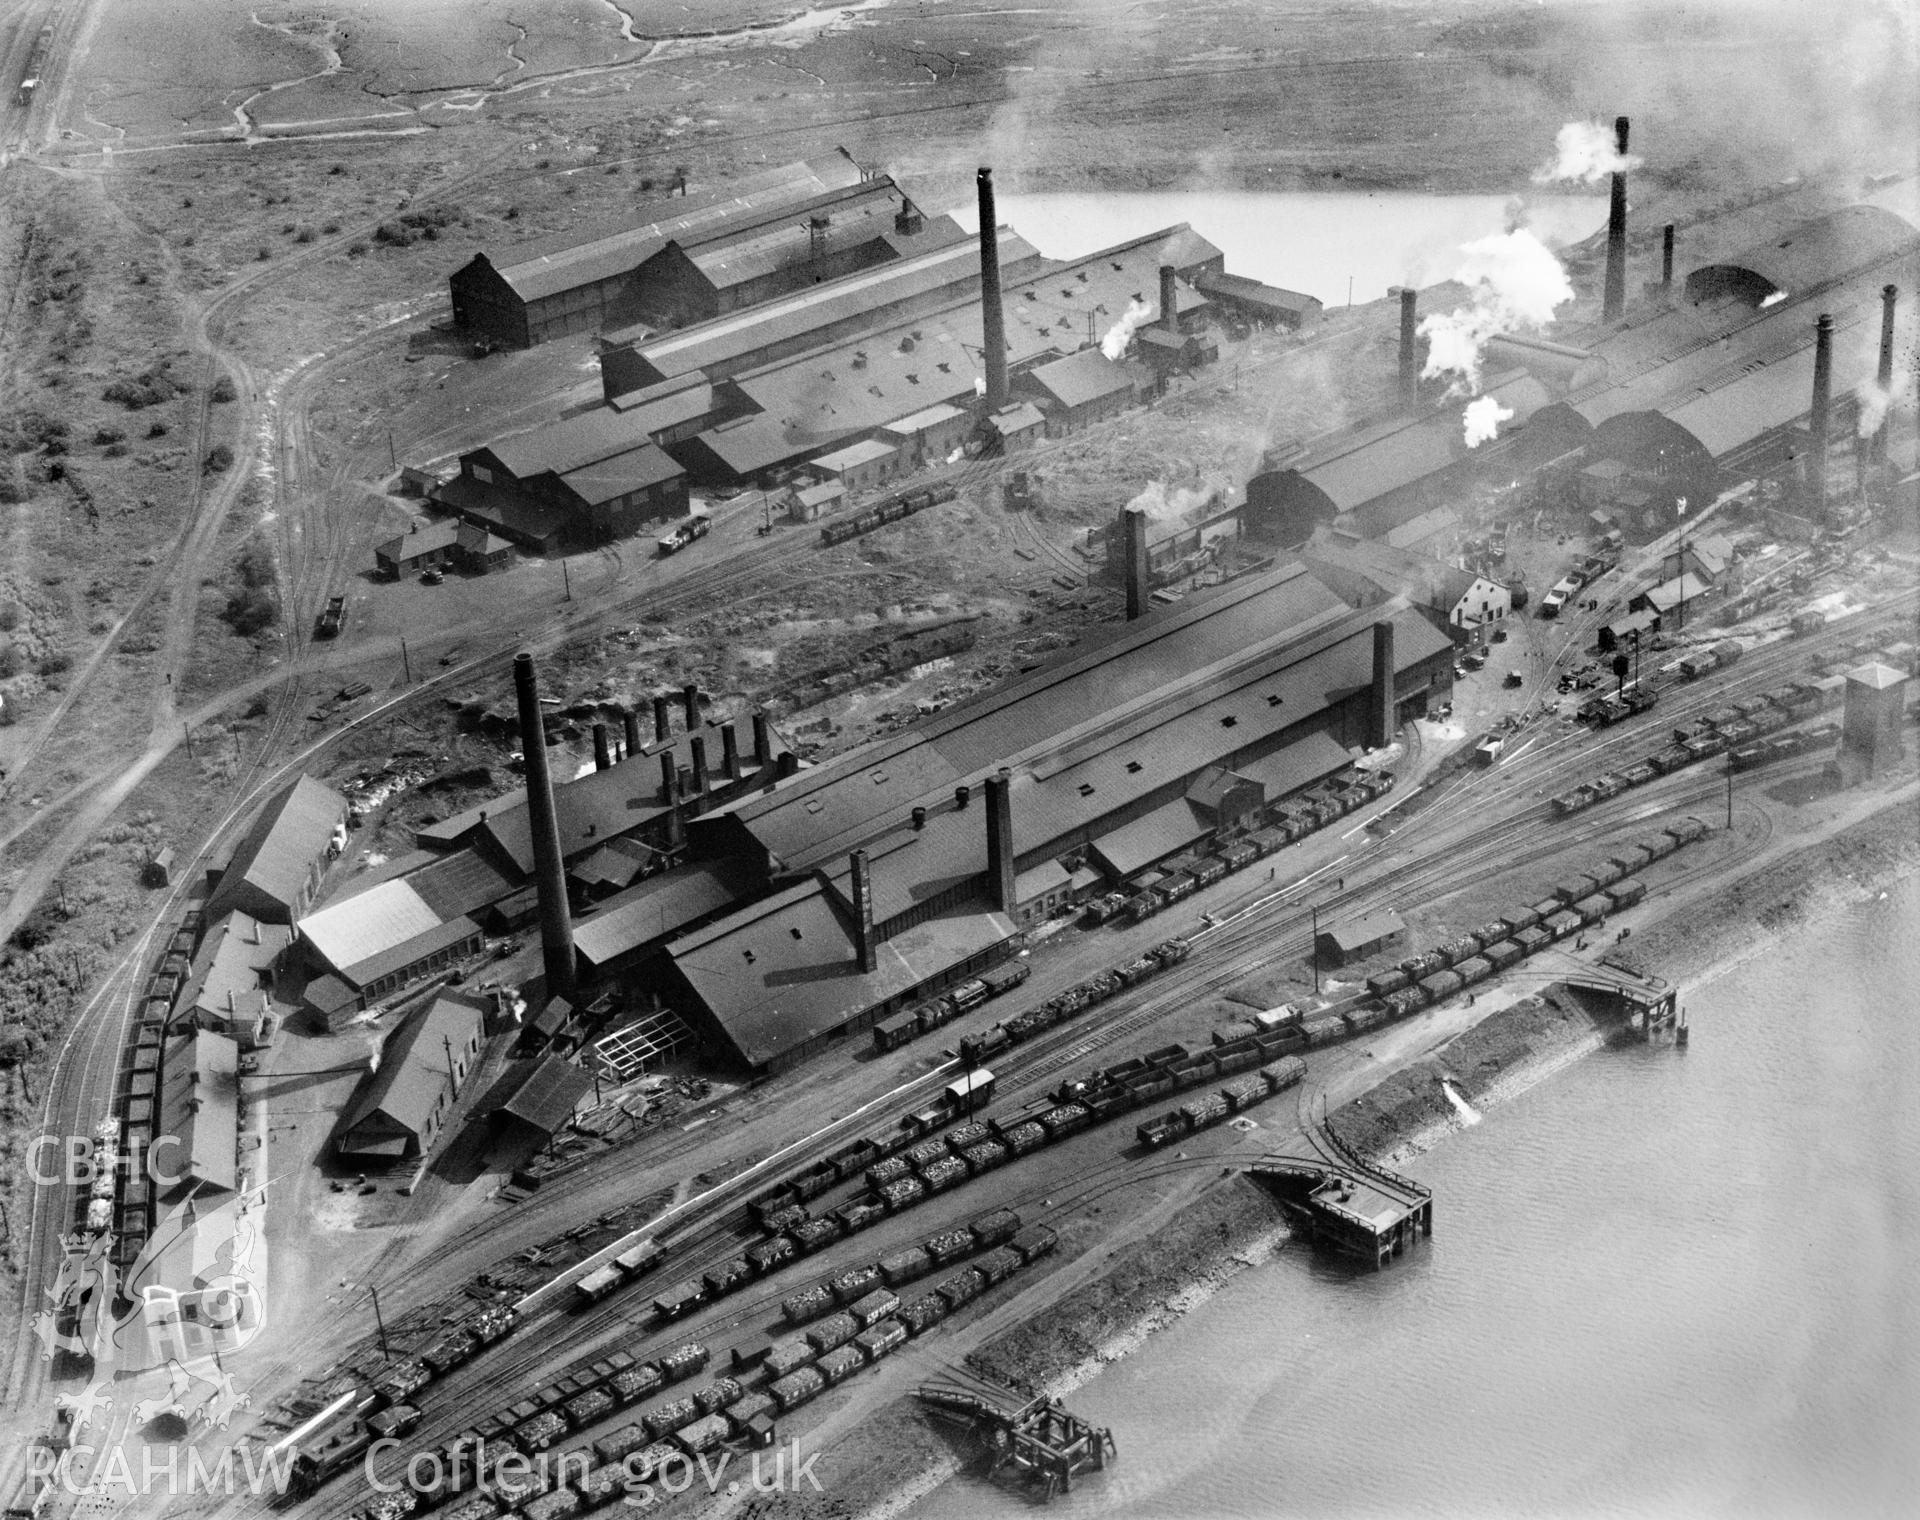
(880, 1338)
(1156, 1132)
(1404, 1003)
(854, 1283)
(479, 1507)
(1286, 1072)
(923, 1313)
(1423, 964)
(1022, 1138)
(1067, 1119)
(858, 1214)
(787, 1356)
(902, 1193)
(1244, 1092)
(683, 1361)
(809, 1303)
(1364, 1016)
(891, 1034)
(537, 1434)
(793, 1390)
(1502, 954)
(1592, 909)
(588, 1408)
(1686, 831)
(636, 1383)
(1208, 1108)
(1574, 888)
(948, 1246)
(958, 1288)
(1035, 1241)
(748, 1408)
(680, 1300)
(704, 1434)
(1384, 982)
(558, 1504)
(766, 1256)
(1518, 919)
(721, 1392)
(834, 1330)
(994, 1228)
(944, 1174)
(840, 1363)
(905, 1266)
(891, 1170)
(873, 1307)
(985, 1156)
(1323, 1029)
(729, 1277)
(998, 1265)
(604, 1485)
(1561, 924)
(1475, 968)
(669, 1417)
(1441, 985)
(1532, 940)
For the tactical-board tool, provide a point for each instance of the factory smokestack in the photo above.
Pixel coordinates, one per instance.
(699, 748)
(1169, 300)
(730, 752)
(993, 324)
(1409, 370)
(1381, 704)
(690, 696)
(1889, 300)
(630, 722)
(556, 920)
(864, 942)
(1133, 566)
(762, 740)
(1822, 406)
(602, 748)
(662, 723)
(669, 777)
(1666, 257)
(1000, 888)
(1614, 301)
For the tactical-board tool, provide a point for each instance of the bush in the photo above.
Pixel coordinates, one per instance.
(156, 429)
(222, 389)
(251, 603)
(329, 229)
(150, 388)
(355, 249)
(219, 459)
(115, 451)
(108, 434)
(261, 255)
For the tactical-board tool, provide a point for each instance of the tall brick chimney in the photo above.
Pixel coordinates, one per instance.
(1000, 888)
(1614, 299)
(1380, 697)
(1133, 563)
(865, 945)
(549, 868)
(1409, 366)
(993, 323)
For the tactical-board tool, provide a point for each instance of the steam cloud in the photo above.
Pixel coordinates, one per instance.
(1584, 151)
(1137, 314)
(1483, 418)
(1877, 402)
(1162, 503)
(1517, 283)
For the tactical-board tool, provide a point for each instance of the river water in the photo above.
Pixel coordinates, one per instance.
(1662, 1283)
(1322, 244)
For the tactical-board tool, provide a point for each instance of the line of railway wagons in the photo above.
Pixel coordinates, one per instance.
(762, 1380)
(1746, 726)
(889, 1034)
(1075, 1001)
(888, 509)
(1282, 824)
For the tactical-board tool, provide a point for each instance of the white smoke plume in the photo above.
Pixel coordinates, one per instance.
(1517, 284)
(1173, 504)
(1483, 418)
(1137, 315)
(1877, 401)
(1584, 151)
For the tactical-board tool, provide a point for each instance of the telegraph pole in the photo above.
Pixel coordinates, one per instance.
(405, 664)
(1729, 793)
(374, 1294)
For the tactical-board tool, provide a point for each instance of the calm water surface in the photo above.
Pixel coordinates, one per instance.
(1662, 1284)
(1309, 242)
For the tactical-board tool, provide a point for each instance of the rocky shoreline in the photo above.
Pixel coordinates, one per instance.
(1234, 1223)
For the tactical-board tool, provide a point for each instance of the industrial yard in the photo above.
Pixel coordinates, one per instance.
(670, 797)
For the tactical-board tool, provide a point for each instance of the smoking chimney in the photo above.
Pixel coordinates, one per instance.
(1889, 299)
(730, 752)
(1666, 257)
(1000, 841)
(1133, 548)
(762, 740)
(690, 696)
(864, 943)
(602, 748)
(993, 325)
(1615, 298)
(1169, 300)
(630, 723)
(1822, 406)
(1381, 705)
(662, 724)
(556, 920)
(1409, 369)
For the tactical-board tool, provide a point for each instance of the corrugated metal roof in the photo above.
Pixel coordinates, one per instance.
(1734, 414)
(718, 344)
(413, 1071)
(854, 455)
(622, 475)
(784, 971)
(460, 883)
(541, 1093)
(1080, 378)
(434, 538)
(200, 1106)
(828, 809)
(655, 909)
(1821, 249)
(572, 443)
(739, 255)
(1255, 293)
(408, 951)
(568, 260)
(362, 926)
(289, 835)
(754, 444)
(1168, 828)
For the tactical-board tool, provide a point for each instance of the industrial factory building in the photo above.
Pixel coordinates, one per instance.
(276, 867)
(876, 878)
(400, 1106)
(1368, 572)
(578, 281)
